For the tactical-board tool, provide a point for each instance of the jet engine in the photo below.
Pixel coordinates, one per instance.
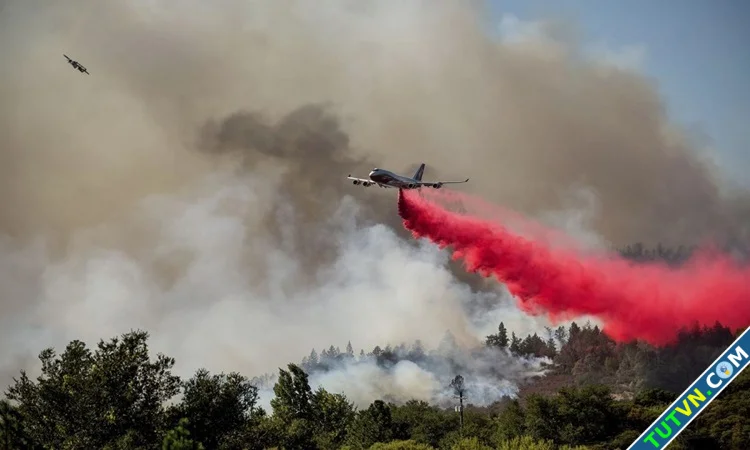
(437, 185)
(355, 182)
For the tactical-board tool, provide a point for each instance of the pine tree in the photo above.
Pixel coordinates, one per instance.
(416, 353)
(575, 330)
(502, 336)
(313, 359)
(349, 349)
(551, 348)
(515, 343)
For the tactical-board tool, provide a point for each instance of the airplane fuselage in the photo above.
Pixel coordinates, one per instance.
(76, 65)
(388, 178)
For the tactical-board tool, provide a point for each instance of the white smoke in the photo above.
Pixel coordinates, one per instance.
(197, 271)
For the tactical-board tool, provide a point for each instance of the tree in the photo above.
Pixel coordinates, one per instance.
(510, 423)
(551, 350)
(561, 335)
(12, 432)
(515, 343)
(424, 423)
(502, 335)
(471, 443)
(92, 400)
(527, 443)
(542, 418)
(574, 331)
(349, 349)
(292, 407)
(374, 424)
(333, 414)
(217, 406)
(313, 359)
(498, 340)
(586, 415)
(292, 395)
(111, 397)
(179, 438)
(458, 391)
(401, 445)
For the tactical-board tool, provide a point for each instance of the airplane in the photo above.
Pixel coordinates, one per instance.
(77, 65)
(386, 179)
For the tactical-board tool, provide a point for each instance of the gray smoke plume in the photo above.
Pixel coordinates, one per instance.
(214, 291)
(194, 184)
(525, 120)
(397, 374)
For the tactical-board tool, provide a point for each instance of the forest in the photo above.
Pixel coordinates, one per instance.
(596, 394)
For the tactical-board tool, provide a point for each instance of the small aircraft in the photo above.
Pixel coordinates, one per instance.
(387, 179)
(76, 65)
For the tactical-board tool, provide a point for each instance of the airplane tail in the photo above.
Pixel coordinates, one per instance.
(418, 174)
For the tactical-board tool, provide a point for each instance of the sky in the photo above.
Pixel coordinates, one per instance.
(695, 50)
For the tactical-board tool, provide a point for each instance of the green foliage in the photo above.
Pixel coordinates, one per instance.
(470, 444)
(112, 398)
(401, 445)
(511, 422)
(374, 424)
(217, 406)
(293, 395)
(333, 414)
(423, 423)
(627, 437)
(526, 443)
(310, 420)
(179, 438)
(12, 432)
(86, 399)
(727, 419)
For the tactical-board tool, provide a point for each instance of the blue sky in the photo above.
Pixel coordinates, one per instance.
(697, 50)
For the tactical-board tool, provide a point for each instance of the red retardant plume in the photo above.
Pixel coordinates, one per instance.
(649, 302)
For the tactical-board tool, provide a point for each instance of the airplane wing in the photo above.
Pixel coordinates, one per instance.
(365, 182)
(440, 183)
(361, 180)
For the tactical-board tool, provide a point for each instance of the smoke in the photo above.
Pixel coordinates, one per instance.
(395, 374)
(214, 292)
(649, 302)
(491, 374)
(526, 120)
(193, 185)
